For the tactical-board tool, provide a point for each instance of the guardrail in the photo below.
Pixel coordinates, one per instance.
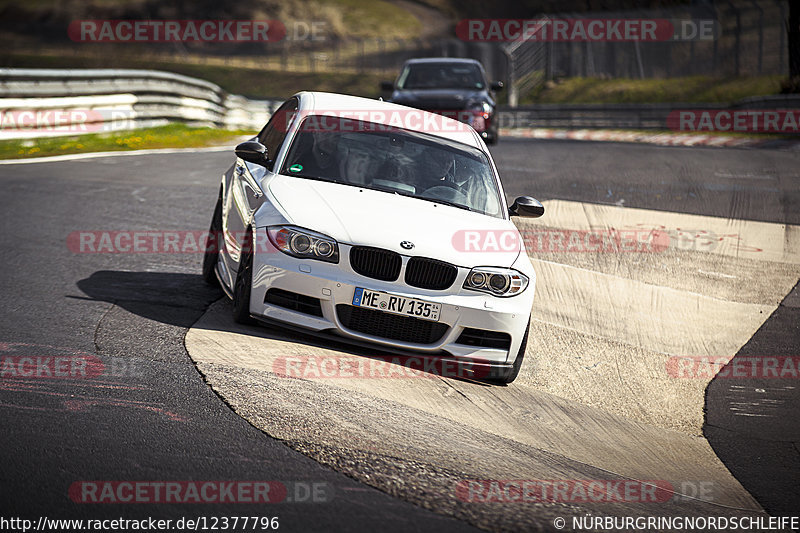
(55, 102)
(625, 116)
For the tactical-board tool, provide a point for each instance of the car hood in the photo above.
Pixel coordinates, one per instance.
(358, 216)
(440, 99)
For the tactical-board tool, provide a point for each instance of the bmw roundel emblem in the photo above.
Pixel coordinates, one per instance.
(407, 245)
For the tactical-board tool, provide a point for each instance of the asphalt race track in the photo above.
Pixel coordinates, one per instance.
(181, 393)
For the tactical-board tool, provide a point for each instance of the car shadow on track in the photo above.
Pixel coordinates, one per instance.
(168, 297)
(178, 299)
(753, 417)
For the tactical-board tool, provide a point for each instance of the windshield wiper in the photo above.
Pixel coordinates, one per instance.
(316, 178)
(409, 195)
(445, 202)
(391, 190)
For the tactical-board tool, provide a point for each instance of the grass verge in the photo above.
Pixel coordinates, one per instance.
(170, 136)
(691, 89)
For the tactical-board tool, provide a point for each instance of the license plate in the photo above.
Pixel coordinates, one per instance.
(398, 305)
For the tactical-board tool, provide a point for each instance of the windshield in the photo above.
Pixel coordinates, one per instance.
(393, 160)
(441, 76)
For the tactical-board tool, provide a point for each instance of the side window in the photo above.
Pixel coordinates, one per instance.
(275, 131)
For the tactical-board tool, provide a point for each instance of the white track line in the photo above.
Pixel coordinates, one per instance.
(94, 155)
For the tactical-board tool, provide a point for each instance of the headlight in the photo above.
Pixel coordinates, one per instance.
(502, 282)
(303, 243)
(480, 107)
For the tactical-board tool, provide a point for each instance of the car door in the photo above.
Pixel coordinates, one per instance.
(245, 194)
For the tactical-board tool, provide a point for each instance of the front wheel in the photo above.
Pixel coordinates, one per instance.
(211, 255)
(243, 284)
(508, 375)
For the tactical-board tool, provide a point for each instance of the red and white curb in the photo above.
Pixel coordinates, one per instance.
(662, 139)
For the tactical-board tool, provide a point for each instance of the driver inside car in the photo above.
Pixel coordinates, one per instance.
(321, 159)
(437, 170)
(437, 177)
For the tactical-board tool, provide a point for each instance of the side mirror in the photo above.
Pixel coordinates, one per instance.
(497, 85)
(525, 206)
(252, 152)
(387, 86)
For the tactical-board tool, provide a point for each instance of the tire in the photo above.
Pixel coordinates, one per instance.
(243, 284)
(508, 375)
(211, 255)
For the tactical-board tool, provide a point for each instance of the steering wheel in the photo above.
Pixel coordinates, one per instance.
(454, 185)
(448, 191)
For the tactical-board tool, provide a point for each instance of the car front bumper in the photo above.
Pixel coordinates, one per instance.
(333, 286)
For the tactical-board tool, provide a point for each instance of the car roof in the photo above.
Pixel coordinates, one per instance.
(386, 113)
(442, 60)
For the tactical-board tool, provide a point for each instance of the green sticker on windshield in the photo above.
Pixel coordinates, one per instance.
(296, 168)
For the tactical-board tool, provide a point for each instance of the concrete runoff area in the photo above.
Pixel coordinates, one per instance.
(622, 322)
(595, 398)
(745, 239)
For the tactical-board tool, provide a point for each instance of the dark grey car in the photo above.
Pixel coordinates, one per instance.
(453, 87)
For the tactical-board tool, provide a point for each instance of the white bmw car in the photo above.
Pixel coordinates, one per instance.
(379, 224)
